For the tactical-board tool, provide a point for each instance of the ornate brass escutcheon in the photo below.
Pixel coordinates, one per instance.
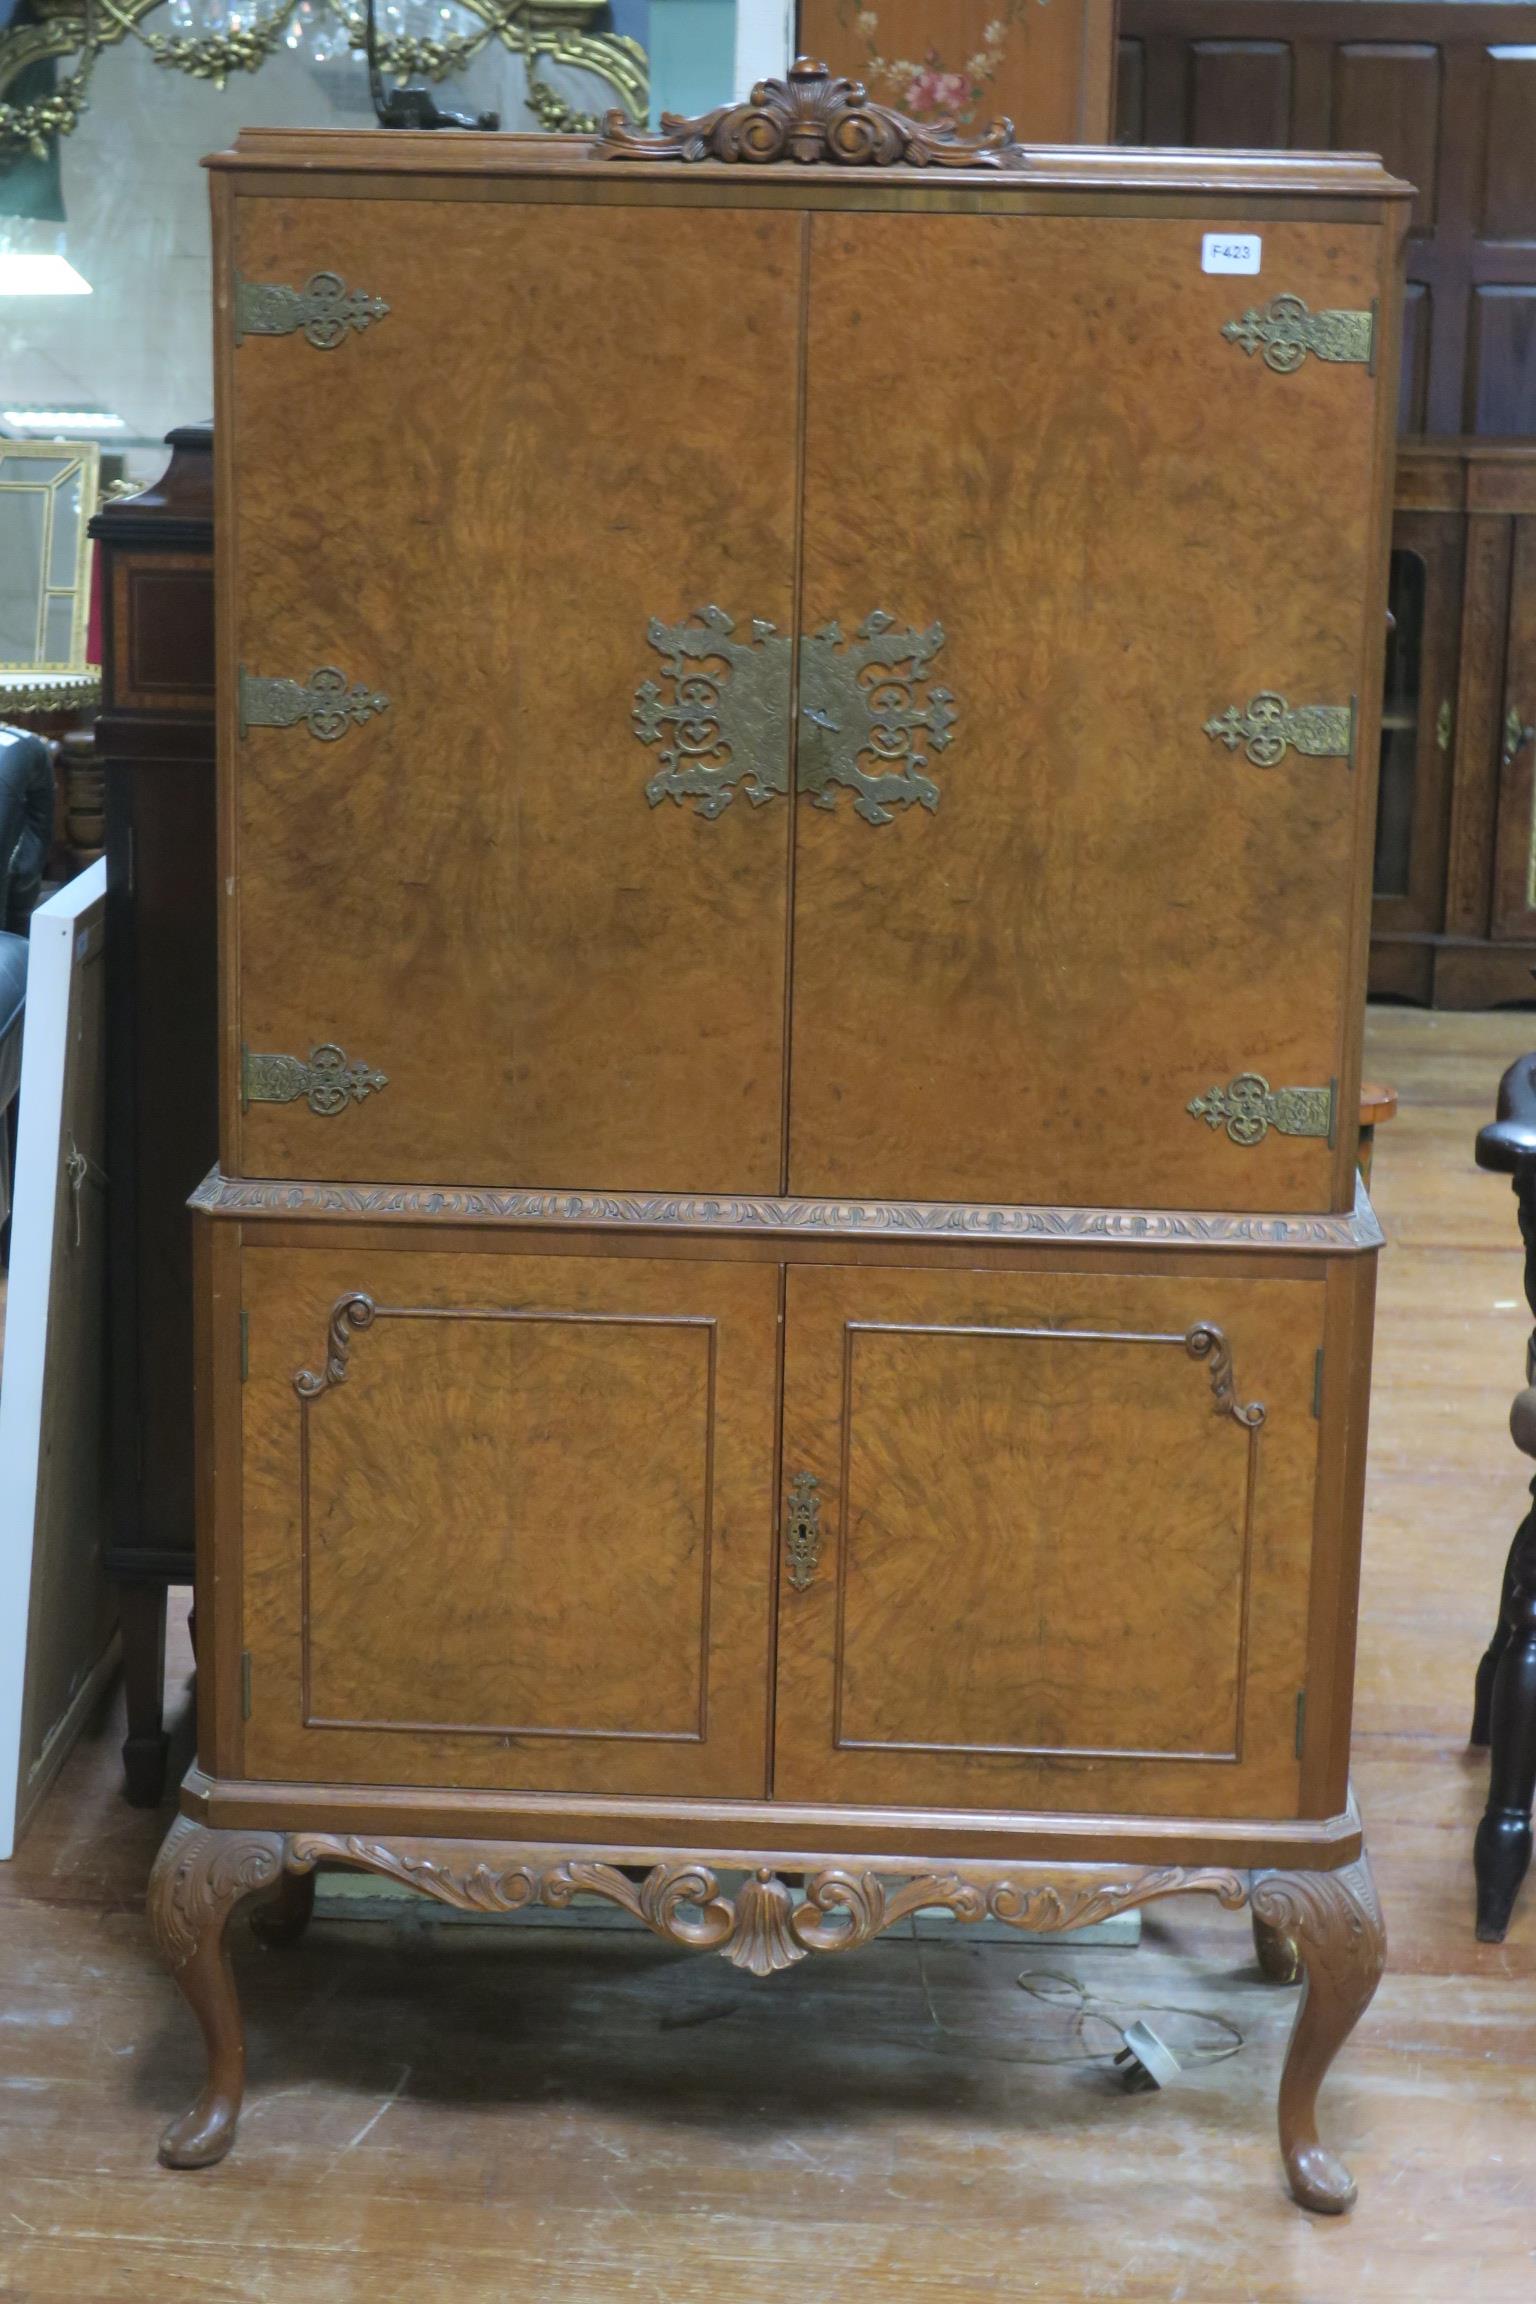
(1248, 1108)
(326, 1080)
(326, 705)
(1286, 332)
(802, 1529)
(1268, 727)
(325, 308)
(726, 718)
(862, 715)
(724, 714)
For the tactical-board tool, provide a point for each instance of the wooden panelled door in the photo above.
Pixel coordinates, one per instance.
(1049, 1540)
(1514, 898)
(465, 889)
(508, 1521)
(1418, 728)
(1092, 910)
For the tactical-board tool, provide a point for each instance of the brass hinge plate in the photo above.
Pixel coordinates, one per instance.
(1317, 1384)
(1301, 1721)
(245, 1684)
(1286, 333)
(324, 703)
(327, 1080)
(1248, 1108)
(325, 308)
(245, 1346)
(1267, 727)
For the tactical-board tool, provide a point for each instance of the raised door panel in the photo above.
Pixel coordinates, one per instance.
(507, 1521)
(1113, 528)
(1061, 1541)
(1514, 894)
(1508, 206)
(571, 424)
(1386, 99)
(1239, 94)
(1501, 384)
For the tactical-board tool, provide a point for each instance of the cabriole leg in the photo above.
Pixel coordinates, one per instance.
(1335, 1924)
(198, 1879)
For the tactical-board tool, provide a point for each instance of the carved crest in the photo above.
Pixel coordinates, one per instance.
(811, 116)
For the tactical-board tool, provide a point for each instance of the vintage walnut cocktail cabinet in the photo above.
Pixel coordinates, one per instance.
(785, 1319)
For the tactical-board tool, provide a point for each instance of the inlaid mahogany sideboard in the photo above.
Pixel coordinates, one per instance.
(785, 1316)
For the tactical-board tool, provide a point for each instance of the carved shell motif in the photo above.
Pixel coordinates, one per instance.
(809, 117)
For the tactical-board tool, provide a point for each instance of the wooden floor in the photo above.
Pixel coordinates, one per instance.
(464, 2114)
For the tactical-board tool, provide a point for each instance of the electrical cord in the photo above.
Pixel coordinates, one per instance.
(1065, 1994)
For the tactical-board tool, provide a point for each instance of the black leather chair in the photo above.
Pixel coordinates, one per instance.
(26, 832)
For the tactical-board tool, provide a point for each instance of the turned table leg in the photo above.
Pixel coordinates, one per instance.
(1334, 1923)
(198, 1879)
(1501, 1853)
(143, 1606)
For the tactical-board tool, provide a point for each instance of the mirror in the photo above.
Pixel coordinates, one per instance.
(48, 493)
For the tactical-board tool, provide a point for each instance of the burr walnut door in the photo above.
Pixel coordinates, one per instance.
(1047, 1541)
(570, 424)
(508, 1521)
(1085, 911)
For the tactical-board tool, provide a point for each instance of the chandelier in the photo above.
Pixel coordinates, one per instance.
(214, 39)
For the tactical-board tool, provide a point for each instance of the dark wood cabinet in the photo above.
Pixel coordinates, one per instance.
(1445, 91)
(1454, 914)
(155, 744)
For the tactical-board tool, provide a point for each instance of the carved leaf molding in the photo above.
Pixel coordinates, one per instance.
(762, 1927)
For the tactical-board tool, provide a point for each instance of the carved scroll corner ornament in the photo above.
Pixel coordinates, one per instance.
(864, 710)
(1286, 332)
(349, 1316)
(811, 115)
(1267, 727)
(328, 1080)
(325, 308)
(1205, 1341)
(200, 1873)
(723, 717)
(1247, 1107)
(325, 703)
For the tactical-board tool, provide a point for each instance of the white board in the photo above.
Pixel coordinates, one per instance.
(58, 1612)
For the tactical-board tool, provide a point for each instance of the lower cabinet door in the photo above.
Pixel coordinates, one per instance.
(508, 1520)
(1046, 1540)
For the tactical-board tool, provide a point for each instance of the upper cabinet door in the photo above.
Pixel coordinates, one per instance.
(509, 809)
(1127, 560)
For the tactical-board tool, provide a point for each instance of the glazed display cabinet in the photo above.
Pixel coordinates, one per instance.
(1454, 915)
(785, 1317)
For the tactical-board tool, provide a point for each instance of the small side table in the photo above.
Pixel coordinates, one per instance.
(1377, 1104)
(1504, 1707)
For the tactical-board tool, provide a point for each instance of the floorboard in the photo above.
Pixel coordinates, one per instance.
(442, 2112)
